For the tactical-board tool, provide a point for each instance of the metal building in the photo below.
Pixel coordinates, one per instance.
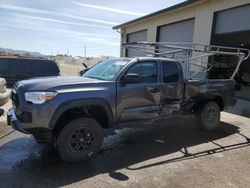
(219, 22)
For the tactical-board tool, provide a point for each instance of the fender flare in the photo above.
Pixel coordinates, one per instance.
(82, 102)
(209, 97)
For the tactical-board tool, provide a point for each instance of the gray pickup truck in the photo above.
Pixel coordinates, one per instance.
(72, 112)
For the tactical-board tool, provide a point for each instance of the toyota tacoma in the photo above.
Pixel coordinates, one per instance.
(72, 112)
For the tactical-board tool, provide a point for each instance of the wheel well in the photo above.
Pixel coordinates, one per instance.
(203, 101)
(93, 111)
(220, 102)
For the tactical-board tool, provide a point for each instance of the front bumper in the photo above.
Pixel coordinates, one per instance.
(14, 121)
(41, 135)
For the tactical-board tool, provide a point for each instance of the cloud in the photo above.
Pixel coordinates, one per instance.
(26, 25)
(24, 9)
(47, 12)
(90, 40)
(61, 21)
(109, 9)
(68, 35)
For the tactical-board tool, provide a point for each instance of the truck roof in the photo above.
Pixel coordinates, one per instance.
(157, 58)
(147, 58)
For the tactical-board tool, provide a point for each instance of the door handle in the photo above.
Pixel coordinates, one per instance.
(154, 90)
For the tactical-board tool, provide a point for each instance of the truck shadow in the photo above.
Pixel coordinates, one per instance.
(124, 149)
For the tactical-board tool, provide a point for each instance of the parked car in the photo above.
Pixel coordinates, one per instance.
(14, 69)
(4, 92)
(72, 112)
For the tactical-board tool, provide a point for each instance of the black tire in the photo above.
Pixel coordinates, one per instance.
(208, 116)
(79, 140)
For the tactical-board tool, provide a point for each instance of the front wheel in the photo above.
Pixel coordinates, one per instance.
(208, 116)
(79, 140)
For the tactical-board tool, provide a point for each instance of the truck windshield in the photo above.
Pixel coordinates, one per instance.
(106, 70)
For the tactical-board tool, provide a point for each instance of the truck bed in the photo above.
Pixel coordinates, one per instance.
(223, 88)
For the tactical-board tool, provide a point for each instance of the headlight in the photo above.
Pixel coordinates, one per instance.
(39, 97)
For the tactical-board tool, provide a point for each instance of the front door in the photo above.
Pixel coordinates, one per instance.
(140, 100)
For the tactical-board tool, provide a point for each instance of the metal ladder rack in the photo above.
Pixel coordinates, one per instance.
(189, 54)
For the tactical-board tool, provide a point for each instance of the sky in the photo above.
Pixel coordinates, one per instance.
(59, 26)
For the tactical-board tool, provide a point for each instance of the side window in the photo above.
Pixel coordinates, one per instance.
(170, 72)
(41, 67)
(4, 65)
(147, 71)
(19, 66)
(49, 67)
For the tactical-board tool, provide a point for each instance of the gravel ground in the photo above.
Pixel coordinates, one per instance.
(170, 153)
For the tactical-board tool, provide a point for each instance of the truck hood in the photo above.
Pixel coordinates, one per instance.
(60, 83)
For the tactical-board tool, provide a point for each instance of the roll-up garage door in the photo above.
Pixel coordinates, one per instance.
(233, 20)
(232, 28)
(135, 37)
(177, 32)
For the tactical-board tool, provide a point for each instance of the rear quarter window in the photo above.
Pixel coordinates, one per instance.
(170, 72)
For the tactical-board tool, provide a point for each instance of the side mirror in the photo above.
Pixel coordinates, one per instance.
(130, 78)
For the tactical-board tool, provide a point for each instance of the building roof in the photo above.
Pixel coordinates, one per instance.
(165, 10)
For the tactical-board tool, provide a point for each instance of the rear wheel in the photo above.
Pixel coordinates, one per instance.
(208, 116)
(79, 140)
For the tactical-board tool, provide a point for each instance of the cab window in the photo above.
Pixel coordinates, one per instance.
(147, 71)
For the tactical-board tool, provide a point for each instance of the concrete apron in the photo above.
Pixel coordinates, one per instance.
(242, 108)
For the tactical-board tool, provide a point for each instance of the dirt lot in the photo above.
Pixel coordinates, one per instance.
(168, 153)
(70, 70)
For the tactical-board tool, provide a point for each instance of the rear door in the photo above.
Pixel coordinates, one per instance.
(141, 100)
(172, 88)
